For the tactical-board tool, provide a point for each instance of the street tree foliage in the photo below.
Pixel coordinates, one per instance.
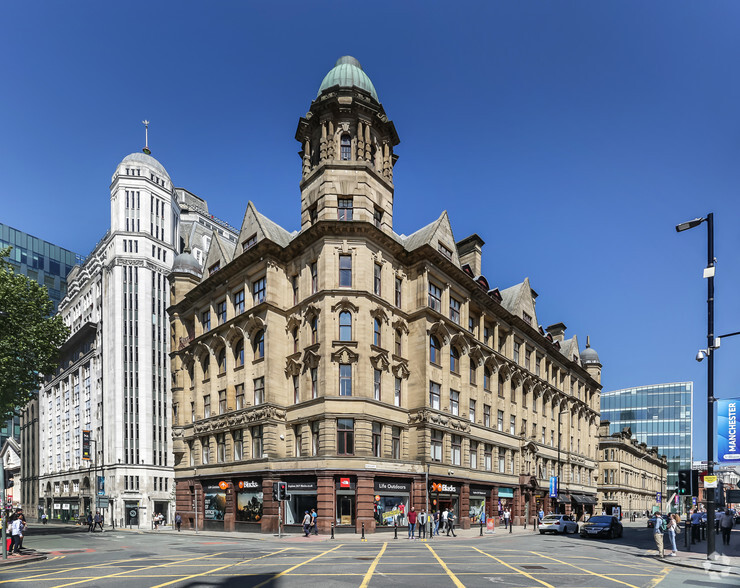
(30, 337)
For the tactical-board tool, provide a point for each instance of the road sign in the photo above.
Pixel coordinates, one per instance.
(710, 481)
(733, 496)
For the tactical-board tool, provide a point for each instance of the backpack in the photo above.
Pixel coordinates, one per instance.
(663, 525)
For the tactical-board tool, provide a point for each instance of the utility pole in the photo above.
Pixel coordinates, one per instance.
(3, 521)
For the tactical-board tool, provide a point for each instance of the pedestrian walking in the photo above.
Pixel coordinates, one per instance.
(436, 522)
(726, 522)
(673, 528)
(314, 522)
(90, 523)
(307, 524)
(422, 524)
(695, 526)
(98, 522)
(43, 519)
(658, 530)
(178, 521)
(445, 514)
(451, 524)
(507, 518)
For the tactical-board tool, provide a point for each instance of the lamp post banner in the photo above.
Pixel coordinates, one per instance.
(728, 449)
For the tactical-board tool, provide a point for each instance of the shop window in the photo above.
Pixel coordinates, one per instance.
(345, 437)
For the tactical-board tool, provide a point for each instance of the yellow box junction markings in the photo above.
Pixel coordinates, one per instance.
(296, 566)
(452, 576)
(182, 579)
(85, 567)
(530, 576)
(585, 570)
(366, 579)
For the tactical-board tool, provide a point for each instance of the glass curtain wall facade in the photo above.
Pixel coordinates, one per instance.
(658, 415)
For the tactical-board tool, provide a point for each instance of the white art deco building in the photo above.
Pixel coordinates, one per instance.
(113, 375)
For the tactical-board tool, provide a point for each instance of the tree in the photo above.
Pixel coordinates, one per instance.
(30, 338)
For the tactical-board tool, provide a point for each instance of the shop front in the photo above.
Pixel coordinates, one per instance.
(505, 500)
(582, 505)
(561, 502)
(303, 497)
(477, 504)
(443, 495)
(66, 511)
(214, 505)
(248, 504)
(346, 501)
(391, 501)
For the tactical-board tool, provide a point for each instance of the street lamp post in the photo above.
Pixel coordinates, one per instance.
(709, 274)
(560, 466)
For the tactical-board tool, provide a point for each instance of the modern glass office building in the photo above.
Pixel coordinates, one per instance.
(40, 260)
(44, 262)
(658, 415)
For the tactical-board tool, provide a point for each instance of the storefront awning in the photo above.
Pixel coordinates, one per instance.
(583, 499)
(590, 500)
(563, 499)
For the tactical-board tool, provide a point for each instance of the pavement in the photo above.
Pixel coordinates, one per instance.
(725, 562)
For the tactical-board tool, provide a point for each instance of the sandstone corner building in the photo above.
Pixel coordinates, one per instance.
(370, 371)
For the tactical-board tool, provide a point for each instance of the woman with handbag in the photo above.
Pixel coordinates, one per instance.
(673, 529)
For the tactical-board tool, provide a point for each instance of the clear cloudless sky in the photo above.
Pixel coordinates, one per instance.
(572, 136)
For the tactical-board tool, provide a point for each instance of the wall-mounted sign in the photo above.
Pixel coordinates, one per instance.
(477, 491)
(392, 486)
(445, 488)
(223, 485)
(306, 486)
(249, 484)
(86, 444)
(344, 483)
(728, 450)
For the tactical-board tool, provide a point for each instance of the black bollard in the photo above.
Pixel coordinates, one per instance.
(363, 532)
(431, 528)
(395, 530)
(481, 528)
(686, 531)
(511, 524)
(332, 529)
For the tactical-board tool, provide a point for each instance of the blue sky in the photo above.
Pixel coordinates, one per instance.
(571, 136)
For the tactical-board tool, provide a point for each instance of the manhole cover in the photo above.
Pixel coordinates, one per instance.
(534, 567)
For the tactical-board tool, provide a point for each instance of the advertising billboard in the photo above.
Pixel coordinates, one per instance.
(727, 433)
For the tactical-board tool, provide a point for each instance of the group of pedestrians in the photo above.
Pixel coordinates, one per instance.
(309, 523)
(16, 529)
(671, 524)
(419, 522)
(93, 522)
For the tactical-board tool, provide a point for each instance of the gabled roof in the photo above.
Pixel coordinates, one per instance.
(438, 231)
(220, 251)
(518, 299)
(257, 224)
(569, 348)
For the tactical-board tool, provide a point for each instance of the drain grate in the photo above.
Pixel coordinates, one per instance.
(534, 567)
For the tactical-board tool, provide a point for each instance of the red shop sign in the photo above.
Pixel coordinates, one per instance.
(344, 482)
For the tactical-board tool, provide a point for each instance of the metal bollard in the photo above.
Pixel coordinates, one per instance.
(395, 530)
(332, 530)
(363, 533)
(431, 528)
(481, 528)
(686, 531)
(511, 524)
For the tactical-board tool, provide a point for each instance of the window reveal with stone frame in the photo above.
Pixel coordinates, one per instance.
(238, 440)
(454, 403)
(434, 395)
(344, 209)
(257, 442)
(377, 442)
(259, 391)
(345, 326)
(376, 384)
(435, 445)
(434, 350)
(345, 271)
(259, 289)
(435, 297)
(396, 442)
(345, 379)
(377, 282)
(345, 437)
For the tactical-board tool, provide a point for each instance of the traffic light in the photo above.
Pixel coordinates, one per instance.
(9, 482)
(275, 492)
(684, 482)
(694, 482)
(283, 491)
(720, 494)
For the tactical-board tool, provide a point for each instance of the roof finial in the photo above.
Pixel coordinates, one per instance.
(588, 341)
(146, 137)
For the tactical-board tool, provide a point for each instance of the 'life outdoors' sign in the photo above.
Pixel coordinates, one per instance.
(727, 433)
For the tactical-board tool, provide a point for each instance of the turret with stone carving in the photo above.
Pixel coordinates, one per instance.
(347, 151)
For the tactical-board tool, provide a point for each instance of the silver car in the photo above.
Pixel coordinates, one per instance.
(557, 523)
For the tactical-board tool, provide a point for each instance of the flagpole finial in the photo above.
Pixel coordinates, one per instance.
(146, 137)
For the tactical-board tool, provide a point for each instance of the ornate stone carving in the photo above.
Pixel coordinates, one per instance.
(401, 370)
(310, 359)
(254, 325)
(345, 304)
(292, 367)
(293, 322)
(344, 355)
(439, 330)
(380, 314)
(400, 324)
(380, 361)
(439, 419)
(310, 312)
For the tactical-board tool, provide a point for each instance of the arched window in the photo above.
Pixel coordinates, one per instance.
(345, 326)
(454, 359)
(221, 360)
(206, 365)
(239, 353)
(398, 343)
(376, 333)
(314, 330)
(345, 147)
(259, 345)
(434, 350)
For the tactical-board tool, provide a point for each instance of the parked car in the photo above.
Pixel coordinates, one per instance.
(602, 526)
(557, 523)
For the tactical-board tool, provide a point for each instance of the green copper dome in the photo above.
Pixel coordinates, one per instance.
(347, 73)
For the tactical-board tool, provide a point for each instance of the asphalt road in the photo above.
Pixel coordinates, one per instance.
(186, 561)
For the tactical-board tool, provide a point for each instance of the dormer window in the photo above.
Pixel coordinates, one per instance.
(250, 242)
(214, 268)
(527, 318)
(444, 251)
(344, 209)
(345, 147)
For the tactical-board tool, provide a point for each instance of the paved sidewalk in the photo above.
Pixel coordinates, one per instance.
(27, 557)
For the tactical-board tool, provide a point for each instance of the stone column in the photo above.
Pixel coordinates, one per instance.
(364, 503)
(465, 506)
(326, 504)
(360, 143)
(269, 507)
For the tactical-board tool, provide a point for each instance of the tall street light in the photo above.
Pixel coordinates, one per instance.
(560, 467)
(709, 274)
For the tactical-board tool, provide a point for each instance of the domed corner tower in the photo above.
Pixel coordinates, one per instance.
(347, 151)
(591, 362)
